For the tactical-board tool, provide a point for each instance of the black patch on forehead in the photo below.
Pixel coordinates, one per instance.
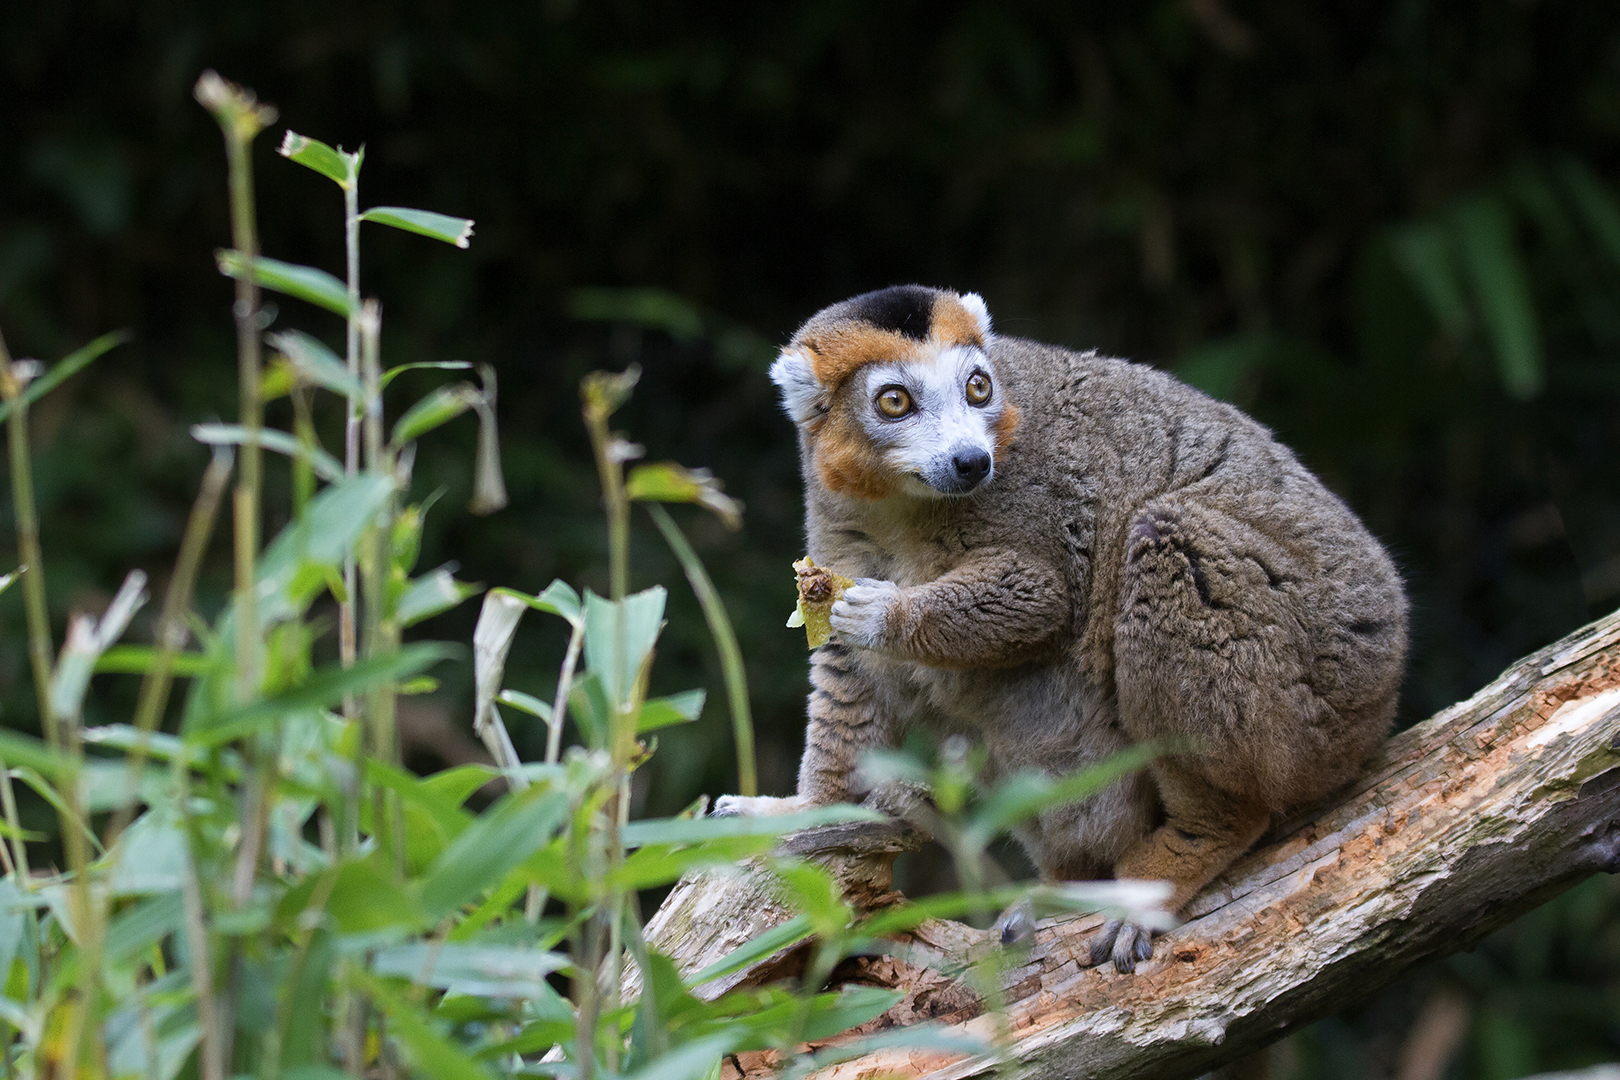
(905, 309)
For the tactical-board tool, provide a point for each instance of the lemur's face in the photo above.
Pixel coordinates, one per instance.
(896, 394)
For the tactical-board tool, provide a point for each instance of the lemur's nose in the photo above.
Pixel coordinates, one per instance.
(971, 465)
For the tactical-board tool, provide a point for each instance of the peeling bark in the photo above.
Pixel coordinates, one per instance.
(1469, 819)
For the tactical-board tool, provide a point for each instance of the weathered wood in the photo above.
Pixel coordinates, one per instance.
(1470, 818)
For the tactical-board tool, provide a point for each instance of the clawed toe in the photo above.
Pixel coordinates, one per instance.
(1125, 943)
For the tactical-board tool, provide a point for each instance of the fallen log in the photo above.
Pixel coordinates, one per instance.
(1469, 819)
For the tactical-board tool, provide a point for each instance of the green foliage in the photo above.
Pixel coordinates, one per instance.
(256, 885)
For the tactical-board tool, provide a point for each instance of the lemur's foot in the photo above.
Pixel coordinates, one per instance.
(758, 805)
(1126, 943)
(1016, 926)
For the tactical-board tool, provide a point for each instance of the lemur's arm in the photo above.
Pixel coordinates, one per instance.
(998, 609)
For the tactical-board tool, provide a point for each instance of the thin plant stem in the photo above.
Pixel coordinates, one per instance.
(211, 1058)
(725, 643)
(241, 118)
(565, 685)
(351, 421)
(19, 847)
(13, 381)
(171, 627)
(381, 631)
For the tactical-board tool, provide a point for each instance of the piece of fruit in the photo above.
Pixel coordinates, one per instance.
(818, 588)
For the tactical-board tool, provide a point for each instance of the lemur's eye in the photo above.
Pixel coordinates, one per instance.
(894, 402)
(978, 388)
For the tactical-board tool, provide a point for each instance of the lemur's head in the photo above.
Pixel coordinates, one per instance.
(896, 394)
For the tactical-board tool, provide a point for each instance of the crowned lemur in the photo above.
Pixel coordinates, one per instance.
(1059, 555)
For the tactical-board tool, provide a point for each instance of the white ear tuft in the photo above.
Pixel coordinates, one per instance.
(975, 305)
(801, 393)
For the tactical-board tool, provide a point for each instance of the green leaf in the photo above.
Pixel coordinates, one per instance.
(925, 1036)
(1024, 795)
(315, 363)
(69, 365)
(45, 790)
(458, 784)
(812, 890)
(139, 659)
(693, 1061)
(143, 925)
(662, 864)
(335, 165)
(769, 943)
(1595, 203)
(1490, 255)
(304, 282)
(332, 524)
(434, 592)
(364, 898)
(323, 688)
(432, 1054)
(687, 831)
(452, 230)
(437, 365)
(1424, 253)
(19, 749)
(151, 856)
(439, 407)
(326, 466)
(434, 800)
(525, 703)
(643, 617)
(664, 711)
(502, 837)
(558, 598)
(667, 481)
(467, 968)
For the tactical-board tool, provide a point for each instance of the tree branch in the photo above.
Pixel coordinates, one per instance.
(1470, 818)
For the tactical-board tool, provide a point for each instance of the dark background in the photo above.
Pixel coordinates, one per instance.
(1386, 229)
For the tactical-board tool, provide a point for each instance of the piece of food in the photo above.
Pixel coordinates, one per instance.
(818, 588)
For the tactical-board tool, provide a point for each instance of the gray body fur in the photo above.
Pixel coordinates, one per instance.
(1146, 563)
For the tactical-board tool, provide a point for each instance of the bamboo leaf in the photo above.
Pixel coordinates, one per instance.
(1424, 253)
(1490, 255)
(686, 831)
(139, 659)
(336, 165)
(469, 968)
(69, 365)
(437, 365)
(315, 363)
(1595, 202)
(667, 481)
(326, 466)
(495, 844)
(452, 230)
(664, 711)
(304, 282)
(324, 688)
(434, 592)
(439, 407)
(643, 615)
(527, 703)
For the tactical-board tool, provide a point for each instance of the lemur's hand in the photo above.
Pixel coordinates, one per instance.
(862, 616)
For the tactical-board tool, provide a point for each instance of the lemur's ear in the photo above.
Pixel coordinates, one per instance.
(801, 393)
(981, 314)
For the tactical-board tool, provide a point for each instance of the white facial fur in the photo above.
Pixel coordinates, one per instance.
(922, 446)
(801, 393)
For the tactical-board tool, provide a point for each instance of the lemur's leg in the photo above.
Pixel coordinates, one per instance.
(1204, 832)
(847, 717)
(1212, 650)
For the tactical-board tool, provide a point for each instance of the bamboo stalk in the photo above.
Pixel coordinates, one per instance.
(171, 628)
(13, 381)
(725, 643)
